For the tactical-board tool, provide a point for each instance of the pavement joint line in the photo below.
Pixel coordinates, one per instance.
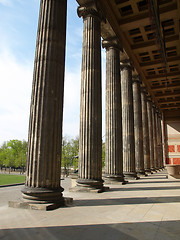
(11, 185)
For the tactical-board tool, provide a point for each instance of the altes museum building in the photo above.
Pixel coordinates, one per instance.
(142, 43)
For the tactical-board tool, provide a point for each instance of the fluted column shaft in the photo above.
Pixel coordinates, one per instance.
(160, 142)
(90, 139)
(146, 149)
(127, 121)
(154, 136)
(139, 157)
(113, 143)
(164, 142)
(150, 130)
(45, 126)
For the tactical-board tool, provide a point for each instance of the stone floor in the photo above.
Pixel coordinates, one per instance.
(148, 208)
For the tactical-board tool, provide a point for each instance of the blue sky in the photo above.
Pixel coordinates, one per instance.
(18, 28)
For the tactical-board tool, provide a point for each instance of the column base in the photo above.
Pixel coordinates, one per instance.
(115, 179)
(148, 171)
(161, 168)
(130, 175)
(153, 170)
(66, 201)
(42, 195)
(141, 173)
(41, 199)
(89, 185)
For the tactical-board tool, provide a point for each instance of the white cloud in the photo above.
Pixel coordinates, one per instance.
(15, 81)
(15, 94)
(71, 103)
(72, 100)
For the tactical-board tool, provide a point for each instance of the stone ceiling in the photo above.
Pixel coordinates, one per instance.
(150, 35)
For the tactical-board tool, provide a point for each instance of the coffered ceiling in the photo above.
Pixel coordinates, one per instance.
(149, 31)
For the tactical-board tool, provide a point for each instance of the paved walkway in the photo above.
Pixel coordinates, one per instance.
(148, 208)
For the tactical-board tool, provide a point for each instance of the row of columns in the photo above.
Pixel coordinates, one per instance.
(133, 128)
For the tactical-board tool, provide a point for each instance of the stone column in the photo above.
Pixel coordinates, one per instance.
(160, 141)
(113, 143)
(164, 140)
(155, 136)
(146, 149)
(90, 138)
(139, 156)
(45, 126)
(150, 130)
(127, 121)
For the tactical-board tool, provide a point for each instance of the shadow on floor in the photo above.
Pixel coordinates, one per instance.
(125, 201)
(145, 188)
(151, 182)
(166, 230)
(160, 177)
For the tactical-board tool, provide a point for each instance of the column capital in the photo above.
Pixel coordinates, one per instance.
(160, 115)
(154, 105)
(111, 43)
(144, 90)
(149, 99)
(89, 9)
(157, 110)
(126, 64)
(136, 79)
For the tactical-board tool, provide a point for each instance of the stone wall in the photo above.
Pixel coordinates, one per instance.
(173, 142)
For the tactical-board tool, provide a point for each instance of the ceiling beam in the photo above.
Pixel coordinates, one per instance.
(107, 6)
(169, 101)
(171, 114)
(172, 74)
(176, 94)
(148, 44)
(168, 86)
(170, 107)
(159, 62)
(141, 20)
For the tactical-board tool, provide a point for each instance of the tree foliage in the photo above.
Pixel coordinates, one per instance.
(70, 149)
(103, 154)
(13, 154)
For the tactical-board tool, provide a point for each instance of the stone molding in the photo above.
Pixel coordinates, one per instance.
(136, 79)
(144, 90)
(149, 99)
(126, 64)
(111, 43)
(90, 9)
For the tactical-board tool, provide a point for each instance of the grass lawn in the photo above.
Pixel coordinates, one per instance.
(11, 179)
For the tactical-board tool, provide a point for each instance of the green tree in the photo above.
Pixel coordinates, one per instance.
(3, 154)
(70, 148)
(103, 154)
(13, 154)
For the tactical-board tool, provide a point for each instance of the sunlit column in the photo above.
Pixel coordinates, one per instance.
(113, 143)
(45, 126)
(90, 139)
(160, 152)
(146, 148)
(139, 156)
(150, 129)
(155, 136)
(129, 168)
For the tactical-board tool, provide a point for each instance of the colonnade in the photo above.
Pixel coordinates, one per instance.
(133, 123)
